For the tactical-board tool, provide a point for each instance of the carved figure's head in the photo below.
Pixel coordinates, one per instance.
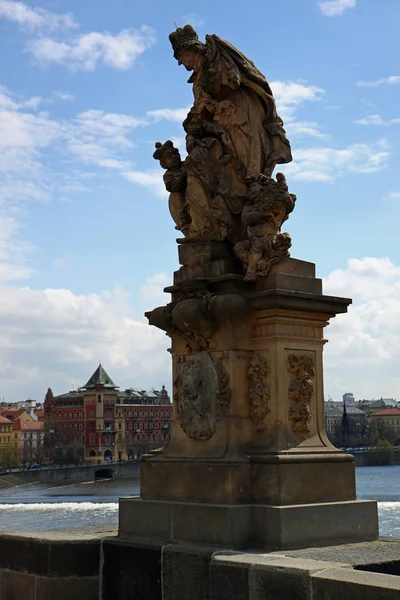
(168, 155)
(188, 50)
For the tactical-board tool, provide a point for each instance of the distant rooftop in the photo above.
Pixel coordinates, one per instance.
(100, 378)
(387, 412)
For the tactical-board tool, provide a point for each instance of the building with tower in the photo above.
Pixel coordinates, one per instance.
(99, 422)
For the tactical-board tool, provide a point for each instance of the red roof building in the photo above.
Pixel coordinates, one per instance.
(16, 413)
(388, 423)
(98, 422)
(387, 412)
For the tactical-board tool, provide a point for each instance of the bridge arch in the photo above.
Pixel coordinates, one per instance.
(104, 474)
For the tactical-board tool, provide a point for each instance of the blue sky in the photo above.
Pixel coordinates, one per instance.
(86, 240)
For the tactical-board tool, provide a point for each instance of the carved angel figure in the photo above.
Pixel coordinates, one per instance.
(269, 206)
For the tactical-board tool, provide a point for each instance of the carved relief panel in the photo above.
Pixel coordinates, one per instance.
(259, 390)
(301, 390)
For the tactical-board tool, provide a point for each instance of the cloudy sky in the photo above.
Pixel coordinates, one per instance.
(86, 241)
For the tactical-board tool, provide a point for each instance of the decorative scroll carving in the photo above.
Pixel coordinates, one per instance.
(196, 314)
(259, 391)
(197, 390)
(301, 389)
(224, 391)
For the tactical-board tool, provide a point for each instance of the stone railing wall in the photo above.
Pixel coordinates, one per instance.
(152, 571)
(54, 565)
(94, 564)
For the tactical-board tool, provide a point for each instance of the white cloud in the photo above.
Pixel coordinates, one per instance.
(55, 336)
(392, 195)
(58, 337)
(391, 80)
(92, 137)
(86, 51)
(169, 114)
(291, 94)
(335, 8)
(325, 164)
(6, 101)
(151, 179)
(152, 292)
(363, 353)
(34, 18)
(101, 138)
(193, 19)
(64, 96)
(14, 252)
(377, 120)
(24, 137)
(289, 97)
(114, 125)
(60, 264)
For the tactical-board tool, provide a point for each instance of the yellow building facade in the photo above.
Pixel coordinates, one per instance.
(7, 451)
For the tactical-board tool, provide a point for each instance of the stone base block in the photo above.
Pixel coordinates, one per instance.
(194, 253)
(207, 270)
(276, 479)
(249, 526)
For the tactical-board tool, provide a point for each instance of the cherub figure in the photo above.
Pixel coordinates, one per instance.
(269, 206)
(175, 180)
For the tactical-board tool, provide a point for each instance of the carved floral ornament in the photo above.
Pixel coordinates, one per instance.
(259, 390)
(202, 395)
(301, 390)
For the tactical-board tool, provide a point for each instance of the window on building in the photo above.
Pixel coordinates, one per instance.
(107, 438)
(99, 398)
(91, 437)
(91, 414)
(91, 426)
(119, 426)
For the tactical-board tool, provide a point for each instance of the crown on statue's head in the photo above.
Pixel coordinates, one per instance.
(183, 37)
(166, 150)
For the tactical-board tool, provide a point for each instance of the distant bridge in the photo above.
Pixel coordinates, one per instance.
(50, 474)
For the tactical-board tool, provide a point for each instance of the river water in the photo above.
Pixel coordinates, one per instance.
(49, 506)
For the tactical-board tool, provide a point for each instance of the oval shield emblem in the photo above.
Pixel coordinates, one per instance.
(196, 397)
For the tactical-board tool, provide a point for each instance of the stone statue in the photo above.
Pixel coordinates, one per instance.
(234, 139)
(269, 206)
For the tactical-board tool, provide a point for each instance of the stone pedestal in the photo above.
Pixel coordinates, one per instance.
(249, 526)
(249, 462)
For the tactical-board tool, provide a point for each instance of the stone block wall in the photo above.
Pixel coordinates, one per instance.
(155, 571)
(83, 564)
(56, 565)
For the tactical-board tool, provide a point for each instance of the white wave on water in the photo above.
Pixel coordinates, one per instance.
(59, 515)
(389, 506)
(56, 506)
